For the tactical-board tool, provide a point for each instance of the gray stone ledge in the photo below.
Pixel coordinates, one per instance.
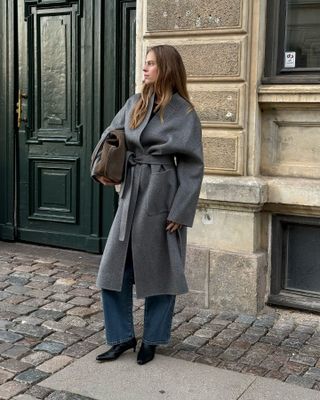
(293, 191)
(238, 190)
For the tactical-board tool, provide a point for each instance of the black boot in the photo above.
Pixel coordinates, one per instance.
(117, 350)
(146, 353)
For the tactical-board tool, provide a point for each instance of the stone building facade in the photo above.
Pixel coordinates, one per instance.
(260, 197)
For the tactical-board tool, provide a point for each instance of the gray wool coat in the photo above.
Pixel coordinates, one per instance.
(163, 175)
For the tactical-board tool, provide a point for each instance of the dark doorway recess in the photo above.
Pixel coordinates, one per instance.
(295, 275)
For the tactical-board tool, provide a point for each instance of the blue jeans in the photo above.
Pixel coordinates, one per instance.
(118, 318)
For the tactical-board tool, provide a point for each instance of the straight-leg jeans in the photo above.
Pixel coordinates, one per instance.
(118, 317)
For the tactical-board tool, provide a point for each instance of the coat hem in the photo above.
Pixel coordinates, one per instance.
(141, 296)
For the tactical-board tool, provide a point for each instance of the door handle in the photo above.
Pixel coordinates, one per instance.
(19, 108)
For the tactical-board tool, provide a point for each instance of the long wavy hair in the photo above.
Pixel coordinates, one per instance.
(171, 78)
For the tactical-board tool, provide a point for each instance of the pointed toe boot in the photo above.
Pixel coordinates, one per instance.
(117, 350)
(146, 353)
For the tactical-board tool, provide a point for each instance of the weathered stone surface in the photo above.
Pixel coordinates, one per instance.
(302, 359)
(31, 376)
(5, 376)
(98, 338)
(73, 321)
(215, 60)
(65, 338)
(216, 106)
(4, 324)
(81, 301)
(16, 351)
(32, 330)
(39, 392)
(48, 314)
(25, 397)
(37, 357)
(188, 15)
(246, 190)
(50, 347)
(57, 306)
(10, 389)
(198, 277)
(60, 395)
(81, 292)
(55, 363)
(10, 337)
(15, 365)
(82, 312)
(79, 349)
(17, 309)
(303, 381)
(29, 320)
(244, 274)
(280, 141)
(220, 152)
(79, 331)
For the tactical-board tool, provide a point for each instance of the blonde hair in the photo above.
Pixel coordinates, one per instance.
(171, 78)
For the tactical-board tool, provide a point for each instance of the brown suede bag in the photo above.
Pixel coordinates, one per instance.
(110, 158)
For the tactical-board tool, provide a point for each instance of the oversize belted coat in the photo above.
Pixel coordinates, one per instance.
(163, 175)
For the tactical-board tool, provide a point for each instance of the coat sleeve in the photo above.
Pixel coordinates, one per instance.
(189, 158)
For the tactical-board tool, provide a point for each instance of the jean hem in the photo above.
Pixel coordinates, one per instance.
(119, 341)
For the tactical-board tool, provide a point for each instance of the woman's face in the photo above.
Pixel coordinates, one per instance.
(150, 69)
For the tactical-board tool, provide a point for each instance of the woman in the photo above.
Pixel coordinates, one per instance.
(157, 201)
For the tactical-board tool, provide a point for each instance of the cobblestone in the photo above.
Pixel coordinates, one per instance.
(31, 376)
(37, 357)
(38, 392)
(39, 332)
(79, 349)
(55, 363)
(16, 351)
(303, 381)
(51, 347)
(50, 315)
(302, 359)
(11, 388)
(59, 395)
(192, 343)
(14, 365)
(5, 376)
(10, 336)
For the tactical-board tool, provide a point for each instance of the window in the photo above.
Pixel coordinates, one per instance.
(295, 275)
(293, 41)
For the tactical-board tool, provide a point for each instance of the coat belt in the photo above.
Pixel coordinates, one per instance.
(127, 194)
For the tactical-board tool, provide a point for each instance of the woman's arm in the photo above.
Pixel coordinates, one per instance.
(189, 170)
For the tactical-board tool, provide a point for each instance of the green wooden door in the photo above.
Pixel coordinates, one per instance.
(72, 63)
(67, 95)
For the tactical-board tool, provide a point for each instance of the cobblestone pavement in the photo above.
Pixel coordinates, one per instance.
(50, 315)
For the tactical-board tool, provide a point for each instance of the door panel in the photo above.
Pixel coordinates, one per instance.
(56, 69)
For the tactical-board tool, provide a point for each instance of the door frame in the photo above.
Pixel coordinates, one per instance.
(7, 120)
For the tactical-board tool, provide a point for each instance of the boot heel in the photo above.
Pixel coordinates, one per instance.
(134, 349)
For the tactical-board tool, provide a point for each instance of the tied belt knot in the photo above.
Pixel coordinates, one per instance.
(126, 194)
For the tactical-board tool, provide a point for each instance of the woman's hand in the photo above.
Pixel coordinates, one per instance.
(104, 181)
(173, 226)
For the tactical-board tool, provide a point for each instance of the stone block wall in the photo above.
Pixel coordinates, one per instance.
(227, 247)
